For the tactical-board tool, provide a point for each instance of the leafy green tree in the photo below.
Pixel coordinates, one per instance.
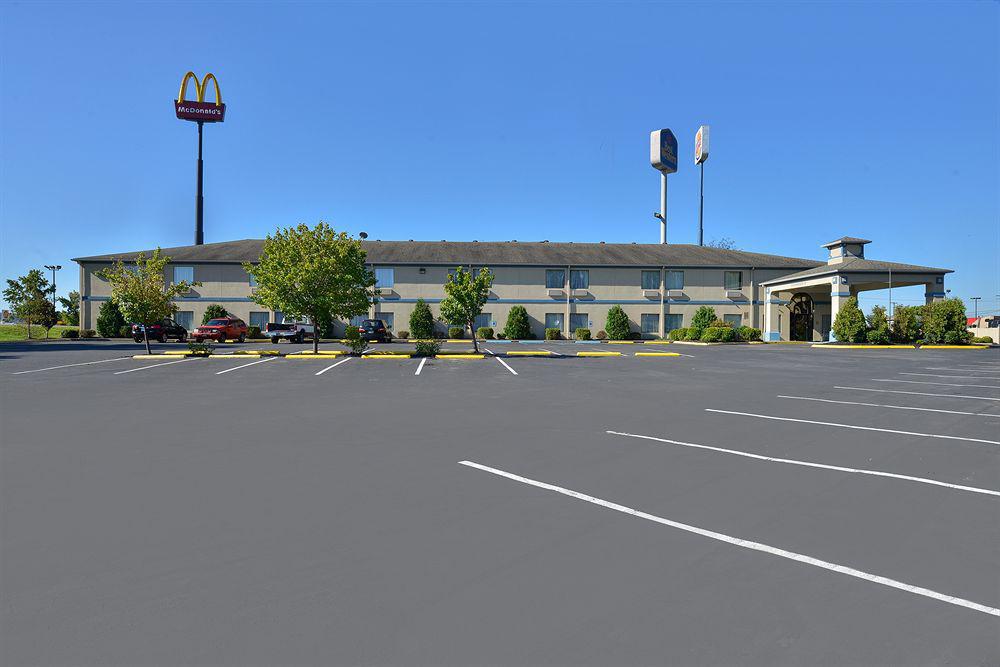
(142, 292)
(518, 327)
(27, 297)
(467, 294)
(71, 306)
(849, 326)
(109, 320)
(703, 317)
(317, 273)
(617, 325)
(945, 322)
(878, 326)
(906, 324)
(421, 320)
(214, 311)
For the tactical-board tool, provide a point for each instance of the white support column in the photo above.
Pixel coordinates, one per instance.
(839, 293)
(770, 332)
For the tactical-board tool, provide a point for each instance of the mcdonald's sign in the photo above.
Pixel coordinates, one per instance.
(200, 110)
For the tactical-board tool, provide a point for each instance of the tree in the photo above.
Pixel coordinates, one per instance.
(906, 324)
(878, 326)
(518, 327)
(944, 322)
(724, 243)
(109, 320)
(703, 317)
(316, 273)
(421, 320)
(617, 325)
(214, 311)
(467, 294)
(27, 297)
(71, 304)
(849, 326)
(142, 292)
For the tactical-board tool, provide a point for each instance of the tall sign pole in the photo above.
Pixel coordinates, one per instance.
(200, 112)
(663, 157)
(700, 156)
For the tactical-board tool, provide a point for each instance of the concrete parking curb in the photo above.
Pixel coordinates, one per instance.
(657, 354)
(954, 347)
(598, 354)
(863, 347)
(459, 356)
(530, 353)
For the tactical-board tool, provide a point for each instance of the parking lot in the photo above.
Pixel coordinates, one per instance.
(769, 504)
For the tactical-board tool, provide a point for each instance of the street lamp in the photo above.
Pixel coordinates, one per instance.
(53, 268)
(976, 300)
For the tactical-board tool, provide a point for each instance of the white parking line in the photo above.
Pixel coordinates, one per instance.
(143, 368)
(746, 544)
(953, 377)
(342, 361)
(809, 464)
(504, 364)
(940, 384)
(894, 407)
(853, 426)
(236, 368)
(967, 370)
(919, 393)
(84, 363)
(421, 366)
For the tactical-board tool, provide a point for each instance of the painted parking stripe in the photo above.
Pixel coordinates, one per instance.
(964, 370)
(342, 361)
(853, 426)
(84, 363)
(745, 544)
(252, 363)
(953, 377)
(810, 464)
(920, 393)
(147, 367)
(940, 384)
(420, 367)
(894, 407)
(505, 365)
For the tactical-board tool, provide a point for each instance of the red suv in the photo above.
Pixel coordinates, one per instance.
(221, 329)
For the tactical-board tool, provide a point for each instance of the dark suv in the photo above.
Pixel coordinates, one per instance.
(375, 330)
(161, 331)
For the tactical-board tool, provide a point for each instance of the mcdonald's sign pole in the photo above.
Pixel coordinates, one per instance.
(200, 112)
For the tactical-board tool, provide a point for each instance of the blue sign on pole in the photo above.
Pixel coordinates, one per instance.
(663, 151)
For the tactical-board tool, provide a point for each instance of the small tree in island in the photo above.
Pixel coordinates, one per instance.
(467, 294)
(316, 273)
(28, 299)
(142, 292)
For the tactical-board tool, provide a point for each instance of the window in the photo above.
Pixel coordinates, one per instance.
(555, 278)
(385, 277)
(579, 321)
(251, 280)
(554, 321)
(649, 323)
(673, 321)
(483, 320)
(185, 318)
(736, 320)
(184, 273)
(579, 279)
(675, 280)
(279, 316)
(650, 280)
(259, 318)
(387, 318)
(734, 279)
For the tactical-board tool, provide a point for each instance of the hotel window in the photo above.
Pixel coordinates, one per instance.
(555, 279)
(185, 318)
(735, 320)
(184, 273)
(579, 321)
(649, 323)
(579, 279)
(734, 279)
(251, 280)
(259, 319)
(673, 321)
(650, 280)
(483, 320)
(675, 280)
(554, 321)
(385, 277)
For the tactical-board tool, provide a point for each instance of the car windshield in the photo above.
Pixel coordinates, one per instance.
(217, 323)
(371, 323)
(274, 326)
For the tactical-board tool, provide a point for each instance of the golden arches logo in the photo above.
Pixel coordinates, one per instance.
(200, 87)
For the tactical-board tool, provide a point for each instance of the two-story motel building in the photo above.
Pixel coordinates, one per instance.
(562, 285)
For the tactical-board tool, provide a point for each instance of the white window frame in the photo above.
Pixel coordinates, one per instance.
(670, 282)
(177, 268)
(644, 317)
(384, 270)
(562, 283)
(585, 273)
(725, 280)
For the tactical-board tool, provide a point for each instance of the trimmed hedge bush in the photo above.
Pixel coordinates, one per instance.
(906, 324)
(693, 333)
(403, 334)
(703, 317)
(721, 324)
(849, 326)
(109, 320)
(518, 326)
(553, 333)
(748, 333)
(957, 337)
(427, 348)
(88, 333)
(421, 320)
(617, 324)
(944, 322)
(456, 332)
(484, 332)
(677, 334)
(718, 335)
(878, 336)
(601, 335)
(254, 333)
(582, 333)
(982, 339)
(69, 333)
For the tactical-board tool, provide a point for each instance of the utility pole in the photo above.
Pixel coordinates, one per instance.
(53, 268)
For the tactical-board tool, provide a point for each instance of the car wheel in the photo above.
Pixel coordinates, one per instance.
(300, 337)
(182, 338)
(222, 338)
(138, 340)
(242, 338)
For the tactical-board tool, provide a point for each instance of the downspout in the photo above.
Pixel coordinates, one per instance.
(753, 299)
(663, 301)
(569, 292)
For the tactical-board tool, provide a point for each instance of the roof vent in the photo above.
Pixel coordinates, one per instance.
(602, 242)
(514, 241)
(411, 240)
(475, 241)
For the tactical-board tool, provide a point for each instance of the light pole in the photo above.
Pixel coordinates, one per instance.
(976, 299)
(53, 268)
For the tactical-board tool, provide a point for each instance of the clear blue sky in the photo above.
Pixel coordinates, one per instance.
(501, 121)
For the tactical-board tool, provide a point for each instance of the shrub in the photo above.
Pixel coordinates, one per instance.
(601, 335)
(617, 324)
(727, 334)
(748, 333)
(703, 317)
(694, 333)
(427, 348)
(125, 331)
(353, 340)
(878, 336)
(88, 333)
(957, 337)
(942, 318)
(484, 332)
(254, 333)
(721, 324)
(200, 349)
(213, 311)
(582, 334)
(982, 339)
(517, 324)
(553, 333)
(717, 334)
(421, 320)
(906, 324)
(109, 320)
(456, 332)
(403, 334)
(677, 334)
(849, 327)
(70, 333)
(437, 335)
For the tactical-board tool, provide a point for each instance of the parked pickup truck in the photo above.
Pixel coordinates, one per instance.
(295, 332)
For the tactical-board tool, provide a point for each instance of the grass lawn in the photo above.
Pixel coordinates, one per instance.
(16, 332)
